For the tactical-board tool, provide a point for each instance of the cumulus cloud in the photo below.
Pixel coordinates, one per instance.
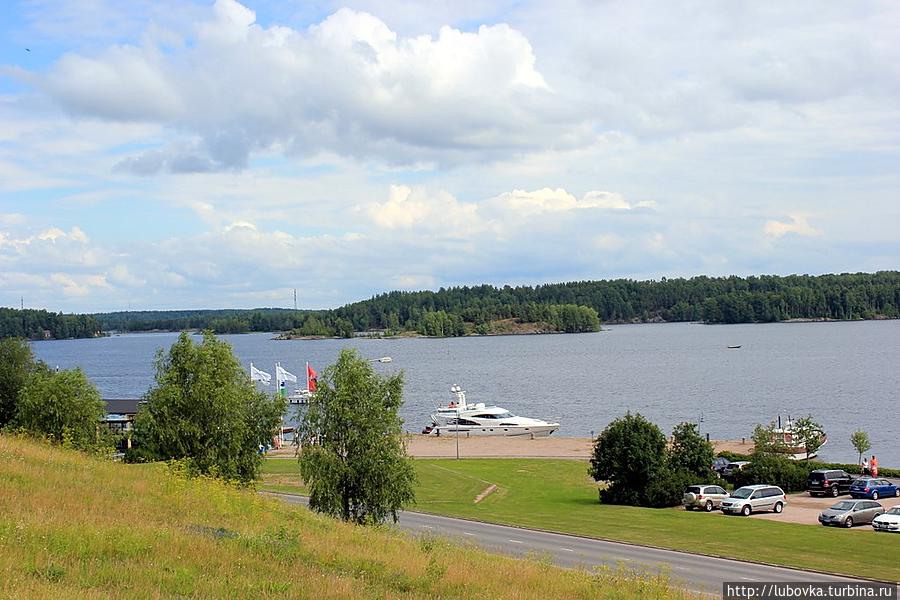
(396, 98)
(559, 200)
(797, 225)
(406, 208)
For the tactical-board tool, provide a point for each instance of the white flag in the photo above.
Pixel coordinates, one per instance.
(257, 375)
(283, 375)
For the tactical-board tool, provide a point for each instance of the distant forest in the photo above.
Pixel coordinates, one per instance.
(40, 324)
(570, 307)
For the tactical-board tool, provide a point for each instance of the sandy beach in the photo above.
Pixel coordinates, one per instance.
(430, 446)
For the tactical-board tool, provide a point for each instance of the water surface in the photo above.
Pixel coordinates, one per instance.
(847, 375)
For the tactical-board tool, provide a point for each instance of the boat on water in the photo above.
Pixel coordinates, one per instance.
(462, 417)
(792, 444)
(734, 347)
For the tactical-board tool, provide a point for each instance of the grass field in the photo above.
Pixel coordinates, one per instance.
(72, 526)
(558, 495)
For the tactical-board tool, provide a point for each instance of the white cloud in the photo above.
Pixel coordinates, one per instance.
(798, 225)
(406, 208)
(397, 99)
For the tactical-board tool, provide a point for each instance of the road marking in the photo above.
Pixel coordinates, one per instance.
(748, 579)
(516, 541)
(567, 549)
(427, 526)
(467, 533)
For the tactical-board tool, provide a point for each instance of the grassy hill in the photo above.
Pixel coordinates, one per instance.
(75, 526)
(558, 495)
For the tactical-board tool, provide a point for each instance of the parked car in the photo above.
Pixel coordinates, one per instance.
(706, 497)
(828, 482)
(872, 488)
(848, 513)
(733, 467)
(889, 521)
(754, 498)
(719, 464)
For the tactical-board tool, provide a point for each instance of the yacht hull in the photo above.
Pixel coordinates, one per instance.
(536, 431)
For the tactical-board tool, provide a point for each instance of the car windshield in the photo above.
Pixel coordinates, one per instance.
(742, 493)
(845, 505)
(693, 489)
(894, 511)
(817, 476)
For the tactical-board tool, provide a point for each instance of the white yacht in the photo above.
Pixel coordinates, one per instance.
(478, 419)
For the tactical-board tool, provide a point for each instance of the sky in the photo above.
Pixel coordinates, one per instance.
(167, 154)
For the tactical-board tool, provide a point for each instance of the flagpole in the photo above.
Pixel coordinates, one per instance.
(307, 378)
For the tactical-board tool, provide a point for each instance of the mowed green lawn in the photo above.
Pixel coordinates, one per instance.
(558, 495)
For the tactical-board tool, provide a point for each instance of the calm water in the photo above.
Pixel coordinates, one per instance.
(847, 375)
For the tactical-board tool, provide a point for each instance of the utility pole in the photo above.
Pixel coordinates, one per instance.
(295, 298)
(22, 305)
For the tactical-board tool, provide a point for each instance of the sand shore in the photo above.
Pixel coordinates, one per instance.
(430, 446)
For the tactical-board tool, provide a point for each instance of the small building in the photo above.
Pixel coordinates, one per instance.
(119, 418)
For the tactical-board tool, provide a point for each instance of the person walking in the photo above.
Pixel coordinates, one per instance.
(873, 466)
(865, 465)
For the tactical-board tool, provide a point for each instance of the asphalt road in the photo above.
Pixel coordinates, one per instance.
(692, 571)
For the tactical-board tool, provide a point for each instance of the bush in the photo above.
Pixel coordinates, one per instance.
(63, 407)
(772, 469)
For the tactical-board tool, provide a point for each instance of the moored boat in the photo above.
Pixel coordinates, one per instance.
(460, 417)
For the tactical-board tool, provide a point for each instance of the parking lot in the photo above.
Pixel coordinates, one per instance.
(805, 509)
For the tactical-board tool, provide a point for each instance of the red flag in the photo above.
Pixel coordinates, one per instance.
(311, 376)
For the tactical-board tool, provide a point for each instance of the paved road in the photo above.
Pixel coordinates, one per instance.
(691, 571)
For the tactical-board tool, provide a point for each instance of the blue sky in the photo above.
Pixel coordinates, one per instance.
(163, 154)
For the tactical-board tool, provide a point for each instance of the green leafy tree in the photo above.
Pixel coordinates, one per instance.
(17, 363)
(353, 458)
(810, 434)
(766, 441)
(63, 407)
(691, 453)
(205, 410)
(860, 441)
(628, 454)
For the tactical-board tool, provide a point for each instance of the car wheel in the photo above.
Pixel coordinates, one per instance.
(874, 495)
(708, 506)
(778, 507)
(746, 510)
(848, 523)
(834, 491)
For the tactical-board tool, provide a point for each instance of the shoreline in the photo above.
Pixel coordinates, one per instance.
(572, 448)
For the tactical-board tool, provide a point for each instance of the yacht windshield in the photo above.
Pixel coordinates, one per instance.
(505, 415)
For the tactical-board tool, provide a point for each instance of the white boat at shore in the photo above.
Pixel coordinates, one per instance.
(792, 445)
(461, 417)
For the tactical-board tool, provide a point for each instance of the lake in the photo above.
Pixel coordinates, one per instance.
(847, 375)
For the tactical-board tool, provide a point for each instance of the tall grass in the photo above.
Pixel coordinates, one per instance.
(75, 526)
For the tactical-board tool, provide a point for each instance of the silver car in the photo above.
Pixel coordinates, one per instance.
(848, 513)
(754, 498)
(706, 497)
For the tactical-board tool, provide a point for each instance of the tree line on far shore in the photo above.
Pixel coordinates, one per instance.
(41, 324)
(568, 307)
(572, 307)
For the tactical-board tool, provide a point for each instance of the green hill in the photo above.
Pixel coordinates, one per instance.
(74, 526)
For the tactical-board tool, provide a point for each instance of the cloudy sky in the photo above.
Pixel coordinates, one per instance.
(159, 154)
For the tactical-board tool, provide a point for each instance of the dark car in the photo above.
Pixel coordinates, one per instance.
(719, 464)
(874, 488)
(828, 482)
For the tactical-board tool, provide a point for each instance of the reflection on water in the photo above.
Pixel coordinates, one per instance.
(845, 374)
